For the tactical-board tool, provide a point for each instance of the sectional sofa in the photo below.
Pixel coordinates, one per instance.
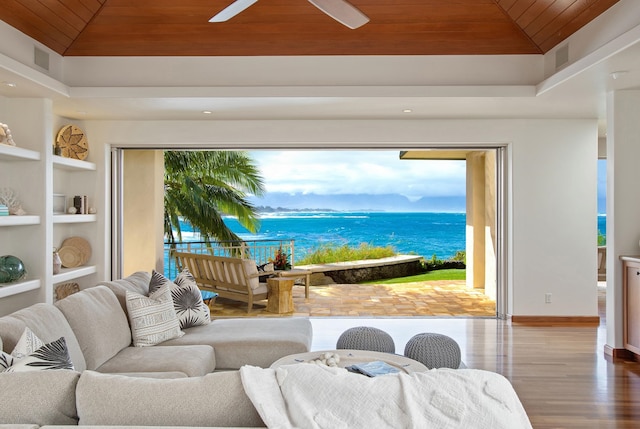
(193, 378)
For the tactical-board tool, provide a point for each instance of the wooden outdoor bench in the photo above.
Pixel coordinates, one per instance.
(232, 278)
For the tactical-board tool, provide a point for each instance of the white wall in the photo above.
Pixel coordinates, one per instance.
(623, 204)
(553, 230)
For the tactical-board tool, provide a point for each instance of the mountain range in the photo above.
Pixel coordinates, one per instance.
(360, 202)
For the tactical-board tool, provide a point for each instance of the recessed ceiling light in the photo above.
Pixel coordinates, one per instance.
(207, 112)
(617, 74)
(9, 84)
(407, 111)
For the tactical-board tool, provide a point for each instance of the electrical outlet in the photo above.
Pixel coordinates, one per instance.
(547, 298)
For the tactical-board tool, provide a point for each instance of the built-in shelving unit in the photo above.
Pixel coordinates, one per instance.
(68, 274)
(72, 164)
(14, 153)
(17, 233)
(36, 175)
(74, 218)
(19, 287)
(19, 220)
(72, 176)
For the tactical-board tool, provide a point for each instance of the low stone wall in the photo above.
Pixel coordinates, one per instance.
(366, 270)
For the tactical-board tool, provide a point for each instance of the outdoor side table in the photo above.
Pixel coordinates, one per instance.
(297, 273)
(280, 299)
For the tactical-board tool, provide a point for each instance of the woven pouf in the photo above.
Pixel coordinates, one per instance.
(366, 338)
(433, 350)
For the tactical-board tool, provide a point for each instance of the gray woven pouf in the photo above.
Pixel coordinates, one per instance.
(366, 338)
(433, 350)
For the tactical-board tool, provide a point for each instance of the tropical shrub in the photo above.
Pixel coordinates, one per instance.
(329, 253)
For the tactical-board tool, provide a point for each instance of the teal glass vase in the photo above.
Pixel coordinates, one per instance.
(11, 269)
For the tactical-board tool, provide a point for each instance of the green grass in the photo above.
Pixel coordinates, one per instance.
(328, 254)
(430, 276)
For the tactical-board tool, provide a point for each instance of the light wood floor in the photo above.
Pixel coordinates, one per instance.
(559, 372)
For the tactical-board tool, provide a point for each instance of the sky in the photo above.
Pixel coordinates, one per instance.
(359, 172)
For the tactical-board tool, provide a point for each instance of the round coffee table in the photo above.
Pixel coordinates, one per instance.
(350, 357)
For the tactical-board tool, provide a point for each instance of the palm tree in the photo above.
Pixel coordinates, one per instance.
(202, 186)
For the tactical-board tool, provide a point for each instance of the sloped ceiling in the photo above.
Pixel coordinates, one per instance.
(295, 27)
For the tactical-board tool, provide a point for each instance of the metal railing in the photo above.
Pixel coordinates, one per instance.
(258, 250)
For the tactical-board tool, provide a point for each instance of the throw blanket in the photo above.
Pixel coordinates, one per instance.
(315, 396)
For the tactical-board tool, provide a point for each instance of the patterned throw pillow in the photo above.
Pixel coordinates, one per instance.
(24, 357)
(27, 344)
(187, 299)
(153, 319)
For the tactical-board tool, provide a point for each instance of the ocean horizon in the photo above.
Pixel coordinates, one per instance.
(419, 233)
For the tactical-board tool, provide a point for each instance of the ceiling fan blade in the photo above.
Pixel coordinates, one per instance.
(342, 11)
(232, 10)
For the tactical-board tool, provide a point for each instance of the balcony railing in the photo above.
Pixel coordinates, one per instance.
(258, 250)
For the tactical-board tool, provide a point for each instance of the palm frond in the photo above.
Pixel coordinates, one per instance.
(204, 186)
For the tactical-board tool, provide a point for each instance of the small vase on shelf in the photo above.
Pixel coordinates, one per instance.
(57, 263)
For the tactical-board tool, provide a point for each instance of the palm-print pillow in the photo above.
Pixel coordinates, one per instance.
(53, 355)
(187, 298)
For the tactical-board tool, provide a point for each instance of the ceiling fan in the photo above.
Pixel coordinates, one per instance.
(340, 10)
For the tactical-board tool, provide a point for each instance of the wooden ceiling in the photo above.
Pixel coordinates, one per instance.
(295, 27)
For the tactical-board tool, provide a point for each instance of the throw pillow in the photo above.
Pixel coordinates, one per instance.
(27, 344)
(187, 301)
(266, 268)
(186, 296)
(54, 355)
(153, 319)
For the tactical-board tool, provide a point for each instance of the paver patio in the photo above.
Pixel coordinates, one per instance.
(433, 298)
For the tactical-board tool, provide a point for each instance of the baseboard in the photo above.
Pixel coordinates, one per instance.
(556, 320)
(620, 353)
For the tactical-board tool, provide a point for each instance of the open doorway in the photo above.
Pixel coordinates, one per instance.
(140, 172)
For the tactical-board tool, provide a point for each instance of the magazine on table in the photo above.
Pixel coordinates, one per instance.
(373, 369)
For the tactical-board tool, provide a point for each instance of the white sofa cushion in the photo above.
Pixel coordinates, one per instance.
(136, 282)
(258, 342)
(193, 360)
(98, 322)
(216, 399)
(41, 398)
(48, 323)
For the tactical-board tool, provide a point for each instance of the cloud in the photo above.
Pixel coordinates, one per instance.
(338, 172)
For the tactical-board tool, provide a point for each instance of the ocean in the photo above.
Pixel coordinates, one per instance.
(425, 234)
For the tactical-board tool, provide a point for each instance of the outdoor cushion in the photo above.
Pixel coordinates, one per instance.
(48, 323)
(258, 342)
(216, 399)
(42, 397)
(251, 269)
(193, 360)
(262, 288)
(100, 325)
